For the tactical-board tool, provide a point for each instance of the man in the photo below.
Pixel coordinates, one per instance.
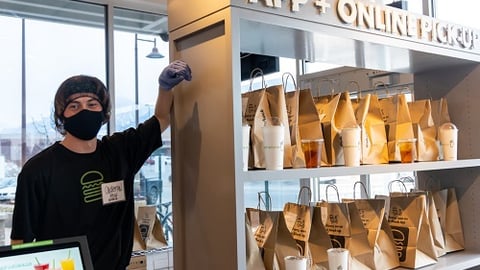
(82, 185)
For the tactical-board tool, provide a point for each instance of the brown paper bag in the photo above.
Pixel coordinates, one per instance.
(450, 219)
(398, 123)
(256, 111)
(373, 136)
(148, 234)
(344, 226)
(411, 231)
(275, 240)
(278, 108)
(433, 221)
(318, 241)
(303, 119)
(254, 257)
(380, 237)
(298, 218)
(260, 105)
(424, 130)
(338, 115)
(440, 113)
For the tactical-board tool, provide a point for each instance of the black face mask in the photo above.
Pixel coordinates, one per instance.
(84, 125)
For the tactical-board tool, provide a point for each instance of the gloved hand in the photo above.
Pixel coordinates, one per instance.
(174, 73)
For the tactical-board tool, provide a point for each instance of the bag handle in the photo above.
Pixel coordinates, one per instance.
(304, 188)
(254, 74)
(268, 203)
(397, 181)
(381, 83)
(364, 189)
(285, 77)
(336, 190)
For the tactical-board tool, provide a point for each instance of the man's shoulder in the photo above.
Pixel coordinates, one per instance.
(44, 155)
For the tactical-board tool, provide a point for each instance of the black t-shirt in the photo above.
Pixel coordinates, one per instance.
(59, 194)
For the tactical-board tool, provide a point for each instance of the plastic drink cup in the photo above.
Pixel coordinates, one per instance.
(43, 266)
(312, 150)
(351, 146)
(407, 150)
(338, 258)
(68, 264)
(448, 136)
(273, 144)
(295, 263)
(245, 145)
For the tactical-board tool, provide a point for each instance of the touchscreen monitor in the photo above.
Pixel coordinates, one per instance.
(65, 253)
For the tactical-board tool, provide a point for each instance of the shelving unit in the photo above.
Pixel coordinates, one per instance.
(206, 130)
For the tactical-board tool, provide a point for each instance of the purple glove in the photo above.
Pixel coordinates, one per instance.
(173, 74)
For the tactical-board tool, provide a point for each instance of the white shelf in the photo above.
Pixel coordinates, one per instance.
(455, 260)
(262, 175)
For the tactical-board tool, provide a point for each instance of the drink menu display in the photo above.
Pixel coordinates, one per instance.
(60, 259)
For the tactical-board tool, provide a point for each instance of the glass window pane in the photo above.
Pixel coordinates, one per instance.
(56, 46)
(136, 89)
(463, 12)
(76, 50)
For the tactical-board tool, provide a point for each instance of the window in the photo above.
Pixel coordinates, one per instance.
(462, 12)
(140, 54)
(66, 38)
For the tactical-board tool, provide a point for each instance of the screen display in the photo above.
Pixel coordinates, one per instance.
(45, 255)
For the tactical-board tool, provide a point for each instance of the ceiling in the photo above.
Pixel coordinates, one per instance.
(80, 13)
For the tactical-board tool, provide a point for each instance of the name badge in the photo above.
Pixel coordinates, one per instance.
(113, 192)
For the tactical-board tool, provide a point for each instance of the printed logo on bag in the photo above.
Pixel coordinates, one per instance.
(260, 234)
(298, 230)
(400, 238)
(332, 226)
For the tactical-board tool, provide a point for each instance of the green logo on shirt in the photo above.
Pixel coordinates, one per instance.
(92, 186)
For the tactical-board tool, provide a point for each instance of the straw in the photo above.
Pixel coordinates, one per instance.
(38, 262)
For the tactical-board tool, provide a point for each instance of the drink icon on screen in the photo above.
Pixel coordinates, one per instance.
(68, 264)
(43, 266)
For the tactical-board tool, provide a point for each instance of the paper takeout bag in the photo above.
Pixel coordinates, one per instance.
(338, 114)
(260, 105)
(424, 129)
(344, 226)
(398, 123)
(148, 231)
(304, 121)
(450, 219)
(411, 231)
(374, 148)
(254, 257)
(380, 237)
(274, 240)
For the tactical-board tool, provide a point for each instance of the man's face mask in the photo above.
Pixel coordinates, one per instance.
(85, 124)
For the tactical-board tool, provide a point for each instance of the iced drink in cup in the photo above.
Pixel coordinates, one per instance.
(43, 266)
(448, 135)
(351, 146)
(68, 264)
(273, 143)
(312, 150)
(295, 263)
(407, 149)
